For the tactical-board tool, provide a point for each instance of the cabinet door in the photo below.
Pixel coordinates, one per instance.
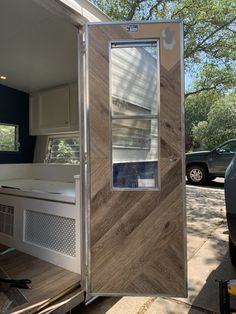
(54, 110)
(133, 160)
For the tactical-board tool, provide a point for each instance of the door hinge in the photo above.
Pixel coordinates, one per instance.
(86, 271)
(85, 158)
(83, 47)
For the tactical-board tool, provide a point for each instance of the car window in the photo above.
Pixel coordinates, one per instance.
(227, 148)
(232, 147)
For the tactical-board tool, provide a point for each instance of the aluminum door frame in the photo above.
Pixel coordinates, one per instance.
(85, 153)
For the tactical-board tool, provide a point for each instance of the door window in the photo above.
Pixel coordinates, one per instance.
(134, 111)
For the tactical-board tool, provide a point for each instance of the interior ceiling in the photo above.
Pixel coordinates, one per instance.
(37, 49)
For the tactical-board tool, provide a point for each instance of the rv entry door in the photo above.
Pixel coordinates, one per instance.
(132, 160)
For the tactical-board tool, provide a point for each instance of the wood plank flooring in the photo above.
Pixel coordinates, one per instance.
(48, 281)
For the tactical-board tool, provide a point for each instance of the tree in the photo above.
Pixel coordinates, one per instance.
(64, 152)
(209, 30)
(212, 77)
(7, 138)
(197, 108)
(219, 125)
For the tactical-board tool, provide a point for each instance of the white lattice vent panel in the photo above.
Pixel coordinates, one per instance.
(53, 232)
(6, 219)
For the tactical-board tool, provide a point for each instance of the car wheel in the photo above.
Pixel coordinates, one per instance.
(232, 252)
(197, 174)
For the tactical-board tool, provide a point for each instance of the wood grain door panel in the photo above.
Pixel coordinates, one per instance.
(136, 239)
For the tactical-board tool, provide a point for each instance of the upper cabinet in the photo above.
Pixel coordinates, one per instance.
(54, 111)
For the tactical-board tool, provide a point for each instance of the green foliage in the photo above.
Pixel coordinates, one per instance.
(219, 125)
(64, 152)
(7, 138)
(125, 10)
(197, 108)
(199, 132)
(212, 77)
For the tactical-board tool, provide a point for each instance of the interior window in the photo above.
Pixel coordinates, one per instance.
(9, 137)
(63, 150)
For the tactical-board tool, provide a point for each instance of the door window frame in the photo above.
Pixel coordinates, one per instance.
(132, 43)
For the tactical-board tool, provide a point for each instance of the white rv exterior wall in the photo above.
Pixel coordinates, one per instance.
(86, 9)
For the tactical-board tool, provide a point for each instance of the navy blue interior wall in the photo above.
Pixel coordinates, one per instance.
(14, 108)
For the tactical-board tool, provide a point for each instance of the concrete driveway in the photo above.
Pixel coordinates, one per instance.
(208, 261)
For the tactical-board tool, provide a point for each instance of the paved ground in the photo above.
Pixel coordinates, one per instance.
(208, 260)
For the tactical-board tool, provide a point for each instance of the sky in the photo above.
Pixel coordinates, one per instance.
(188, 80)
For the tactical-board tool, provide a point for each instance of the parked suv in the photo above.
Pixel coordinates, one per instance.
(205, 166)
(230, 201)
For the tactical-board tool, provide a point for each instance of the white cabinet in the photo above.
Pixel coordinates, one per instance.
(54, 111)
(45, 229)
